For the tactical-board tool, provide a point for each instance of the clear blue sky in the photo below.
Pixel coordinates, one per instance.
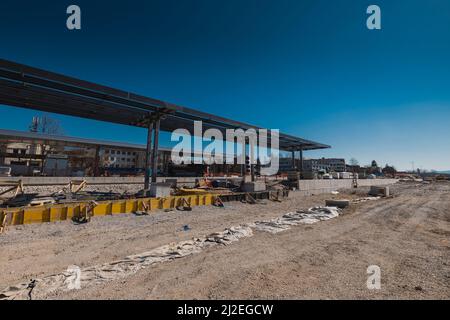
(309, 68)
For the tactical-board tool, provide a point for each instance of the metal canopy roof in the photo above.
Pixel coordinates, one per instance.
(33, 88)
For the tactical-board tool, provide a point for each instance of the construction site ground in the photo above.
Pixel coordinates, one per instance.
(407, 236)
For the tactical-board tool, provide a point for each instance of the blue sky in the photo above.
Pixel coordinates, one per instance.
(308, 68)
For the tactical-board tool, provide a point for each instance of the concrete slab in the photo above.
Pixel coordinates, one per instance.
(379, 191)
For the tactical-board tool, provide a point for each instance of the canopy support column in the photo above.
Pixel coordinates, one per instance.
(301, 162)
(293, 160)
(148, 156)
(97, 162)
(252, 159)
(155, 152)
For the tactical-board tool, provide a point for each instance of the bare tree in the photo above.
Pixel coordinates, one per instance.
(34, 124)
(47, 125)
(50, 126)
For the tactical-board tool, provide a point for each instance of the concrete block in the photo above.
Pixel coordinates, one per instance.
(379, 191)
(254, 186)
(160, 189)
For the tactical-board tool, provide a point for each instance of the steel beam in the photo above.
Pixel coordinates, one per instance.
(293, 160)
(301, 163)
(96, 161)
(155, 152)
(148, 151)
(252, 160)
(244, 153)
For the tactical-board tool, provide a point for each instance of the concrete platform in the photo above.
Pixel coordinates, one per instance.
(310, 187)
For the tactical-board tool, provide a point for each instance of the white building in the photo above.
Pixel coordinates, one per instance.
(323, 164)
(121, 158)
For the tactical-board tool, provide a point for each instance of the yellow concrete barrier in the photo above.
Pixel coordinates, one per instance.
(60, 212)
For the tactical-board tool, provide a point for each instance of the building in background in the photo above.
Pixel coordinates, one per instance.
(22, 158)
(121, 158)
(324, 164)
(285, 164)
(31, 153)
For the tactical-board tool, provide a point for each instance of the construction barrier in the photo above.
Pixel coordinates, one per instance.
(84, 210)
(61, 212)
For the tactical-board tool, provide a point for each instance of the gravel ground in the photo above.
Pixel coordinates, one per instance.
(407, 236)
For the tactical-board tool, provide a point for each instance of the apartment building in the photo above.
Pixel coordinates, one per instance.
(324, 164)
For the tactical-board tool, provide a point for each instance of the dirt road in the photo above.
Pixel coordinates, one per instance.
(408, 237)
